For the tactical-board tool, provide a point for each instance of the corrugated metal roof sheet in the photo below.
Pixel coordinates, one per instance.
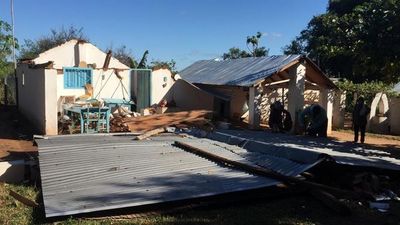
(87, 173)
(235, 72)
(306, 149)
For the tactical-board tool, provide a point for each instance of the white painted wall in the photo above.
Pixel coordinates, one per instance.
(189, 97)
(159, 87)
(50, 88)
(238, 98)
(101, 87)
(31, 95)
(71, 53)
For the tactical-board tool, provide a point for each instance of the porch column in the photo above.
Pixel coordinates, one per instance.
(339, 105)
(254, 107)
(326, 97)
(296, 93)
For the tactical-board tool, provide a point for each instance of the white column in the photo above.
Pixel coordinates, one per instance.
(339, 105)
(254, 107)
(296, 93)
(326, 97)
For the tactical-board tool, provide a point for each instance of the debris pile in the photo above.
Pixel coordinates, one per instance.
(197, 118)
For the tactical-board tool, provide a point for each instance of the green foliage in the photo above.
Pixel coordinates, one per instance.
(368, 90)
(171, 65)
(143, 62)
(6, 45)
(235, 53)
(253, 47)
(355, 39)
(31, 49)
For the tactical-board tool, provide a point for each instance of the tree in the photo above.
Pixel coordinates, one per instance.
(252, 44)
(355, 39)
(31, 49)
(171, 65)
(235, 53)
(253, 47)
(6, 45)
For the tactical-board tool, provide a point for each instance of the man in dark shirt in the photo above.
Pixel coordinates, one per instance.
(360, 120)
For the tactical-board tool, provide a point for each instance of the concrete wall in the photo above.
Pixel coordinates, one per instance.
(394, 115)
(101, 87)
(50, 88)
(238, 98)
(161, 83)
(188, 97)
(72, 53)
(31, 95)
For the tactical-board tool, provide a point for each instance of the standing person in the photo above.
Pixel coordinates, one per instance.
(287, 121)
(314, 120)
(275, 117)
(360, 114)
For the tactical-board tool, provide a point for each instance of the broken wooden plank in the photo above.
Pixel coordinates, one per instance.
(150, 133)
(269, 173)
(26, 201)
(151, 122)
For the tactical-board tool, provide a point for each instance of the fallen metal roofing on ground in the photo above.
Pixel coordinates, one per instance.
(235, 72)
(305, 148)
(88, 173)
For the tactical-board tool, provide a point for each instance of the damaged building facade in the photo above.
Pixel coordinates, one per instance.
(251, 83)
(61, 73)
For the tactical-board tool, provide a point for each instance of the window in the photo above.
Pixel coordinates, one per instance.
(77, 77)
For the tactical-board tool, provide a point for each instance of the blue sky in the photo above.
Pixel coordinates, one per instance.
(183, 30)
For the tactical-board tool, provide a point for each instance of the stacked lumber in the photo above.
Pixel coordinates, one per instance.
(117, 125)
(156, 121)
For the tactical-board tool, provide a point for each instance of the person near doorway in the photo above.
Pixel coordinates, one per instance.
(360, 120)
(287, 121)
(275, 117)
(314, 120)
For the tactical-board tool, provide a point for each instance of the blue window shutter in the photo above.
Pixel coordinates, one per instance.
(75, 78)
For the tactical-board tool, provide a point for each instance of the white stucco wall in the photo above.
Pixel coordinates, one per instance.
(189, 97)
(37, 97)
(50, 87)
(238, 98)
(71, 53)
(159, 87)
(101, 87)
(31, 95)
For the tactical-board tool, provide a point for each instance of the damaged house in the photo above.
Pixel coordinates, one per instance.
(59, 75)
(252, 84)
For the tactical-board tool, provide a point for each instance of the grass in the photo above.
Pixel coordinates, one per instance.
(12, 211)
(296, 210)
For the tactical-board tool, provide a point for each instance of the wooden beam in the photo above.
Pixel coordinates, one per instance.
(22, 199)
(269, 173)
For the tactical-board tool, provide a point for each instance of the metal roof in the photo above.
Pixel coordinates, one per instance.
(307, 149)
(87, 173)
(236, 72)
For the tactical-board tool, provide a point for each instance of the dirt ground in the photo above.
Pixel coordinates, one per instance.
(15, 134)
